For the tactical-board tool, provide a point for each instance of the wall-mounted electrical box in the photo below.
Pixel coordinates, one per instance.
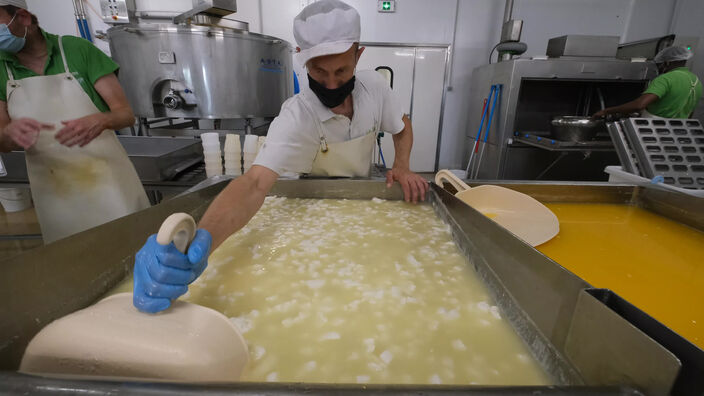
(386, 6)
(115, 11)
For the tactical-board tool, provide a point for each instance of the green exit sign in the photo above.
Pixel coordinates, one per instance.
(386, 6)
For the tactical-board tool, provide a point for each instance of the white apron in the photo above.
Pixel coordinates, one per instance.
(351, 158)
(692, 91)
(74, 188)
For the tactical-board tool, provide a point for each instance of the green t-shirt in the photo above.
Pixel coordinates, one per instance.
(678, 93)
(85, 61)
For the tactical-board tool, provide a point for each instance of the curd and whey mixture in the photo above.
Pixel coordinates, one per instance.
(352, 291)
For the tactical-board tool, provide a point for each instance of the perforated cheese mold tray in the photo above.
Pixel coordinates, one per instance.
(671, 148)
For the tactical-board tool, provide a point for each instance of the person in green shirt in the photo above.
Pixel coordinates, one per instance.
(673, 94)
(29, 51)
(61, 102)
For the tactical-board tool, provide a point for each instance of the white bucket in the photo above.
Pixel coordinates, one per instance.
(15, 199)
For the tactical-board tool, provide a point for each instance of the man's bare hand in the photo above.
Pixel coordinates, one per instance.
(81, 131)
(414, 186)
(600, 114)
(24, 132)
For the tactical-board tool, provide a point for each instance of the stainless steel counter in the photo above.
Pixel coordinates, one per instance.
(156, 159)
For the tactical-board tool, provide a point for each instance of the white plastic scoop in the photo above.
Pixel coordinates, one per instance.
(519, 213)
(112, 338)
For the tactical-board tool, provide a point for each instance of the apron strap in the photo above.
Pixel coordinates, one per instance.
(692, 89)
(318, 124)
(10, 76)
(63, 55)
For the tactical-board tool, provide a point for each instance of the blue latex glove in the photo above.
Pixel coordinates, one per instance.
(162, 273)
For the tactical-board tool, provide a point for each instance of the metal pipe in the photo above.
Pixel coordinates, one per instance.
(601, 98)
(676, 8)
(588, 101)
(451, 51)
(508, 11)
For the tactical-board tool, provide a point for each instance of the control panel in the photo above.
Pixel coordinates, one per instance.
(114, 11)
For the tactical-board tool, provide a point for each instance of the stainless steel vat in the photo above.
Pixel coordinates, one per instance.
(589, 340)
(190, 71)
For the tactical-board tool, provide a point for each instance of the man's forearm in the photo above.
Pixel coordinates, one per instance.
(626, 108)
(636, 105)
(6, 144)
(403, 143)
(118, 118)
(234, 207)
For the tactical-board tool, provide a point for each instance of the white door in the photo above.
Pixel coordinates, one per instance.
(418, 84)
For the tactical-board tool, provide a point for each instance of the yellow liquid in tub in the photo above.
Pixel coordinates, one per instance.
(653, 262)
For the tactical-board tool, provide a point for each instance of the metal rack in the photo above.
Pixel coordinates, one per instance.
(550, 144)
(671, 149)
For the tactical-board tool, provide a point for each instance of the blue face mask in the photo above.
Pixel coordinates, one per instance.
(8, 41)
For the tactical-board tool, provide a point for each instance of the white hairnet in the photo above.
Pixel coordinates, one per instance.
(325, 27)
(17, 3)
(673, 54)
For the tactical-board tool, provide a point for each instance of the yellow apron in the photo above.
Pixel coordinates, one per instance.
(74, 188)
(351, 158)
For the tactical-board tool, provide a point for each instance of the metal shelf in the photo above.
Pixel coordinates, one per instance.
(550, 144)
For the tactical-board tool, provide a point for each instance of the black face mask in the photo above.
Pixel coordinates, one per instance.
(331, 97)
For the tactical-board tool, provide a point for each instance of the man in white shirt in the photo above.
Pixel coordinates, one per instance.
(329, 129)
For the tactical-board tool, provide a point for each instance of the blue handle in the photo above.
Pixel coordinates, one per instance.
(86, 30)
(80, 27)
(296, 87)
(381, 153)
(493, 107)
(486, 109)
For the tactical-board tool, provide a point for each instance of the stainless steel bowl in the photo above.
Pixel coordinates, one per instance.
(575, 128)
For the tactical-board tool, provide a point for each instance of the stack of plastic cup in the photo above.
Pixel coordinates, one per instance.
(212, 154)
(233, 155)
(260, 143)
(251, 143)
